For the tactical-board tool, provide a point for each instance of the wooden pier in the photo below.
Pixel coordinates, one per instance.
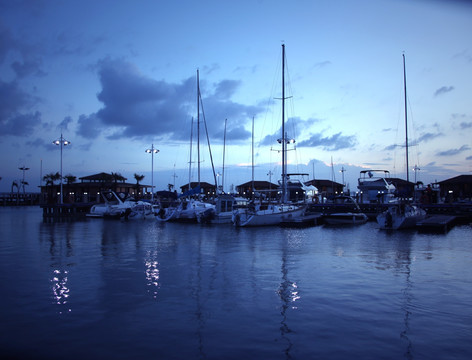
(437, 223)
(65, 211)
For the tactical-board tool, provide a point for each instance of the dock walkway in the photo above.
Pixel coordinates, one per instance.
(436, 222)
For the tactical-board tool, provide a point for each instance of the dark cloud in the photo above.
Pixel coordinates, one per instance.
(138, 106)
(330, 143)
(427, 137)
(443, 90)
(16, 115)
(64, 124)
(27, 68)
(465, 125)
(89, 127)
(451, 152)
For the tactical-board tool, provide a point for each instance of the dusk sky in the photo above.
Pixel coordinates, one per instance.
(118, 76)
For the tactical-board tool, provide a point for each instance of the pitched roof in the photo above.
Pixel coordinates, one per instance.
(103, 176)
(460, 179)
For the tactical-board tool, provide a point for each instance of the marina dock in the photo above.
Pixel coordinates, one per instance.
(437, 223)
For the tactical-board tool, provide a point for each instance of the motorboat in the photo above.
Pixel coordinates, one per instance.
(222, 212)
(347, 212)
(400, 216)
(116, 206)
(374, 186)
(186, 210)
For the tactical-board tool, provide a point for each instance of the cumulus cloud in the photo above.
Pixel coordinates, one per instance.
(16, 115)
(89, 127)
(451, 152)
(136, 106)
(443, 90)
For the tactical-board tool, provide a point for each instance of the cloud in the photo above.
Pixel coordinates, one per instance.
(443, 90)
(89, 127)
(299, 127)
(428, 137)
(28, 67)
(16, 116)
(137, 106)
(64, 124)
(451, 152)
(322, 64)
(330, 143)
(466, 125)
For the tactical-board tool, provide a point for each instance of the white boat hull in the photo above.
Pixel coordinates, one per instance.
(273, 215)
(400, 217)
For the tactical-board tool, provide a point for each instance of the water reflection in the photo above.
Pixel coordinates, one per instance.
(60, 290)
(152, 272)
(288, 290)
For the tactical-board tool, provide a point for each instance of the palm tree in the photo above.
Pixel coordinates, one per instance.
(70, 179)
(116, 177)
(49, 179)
(138, 179)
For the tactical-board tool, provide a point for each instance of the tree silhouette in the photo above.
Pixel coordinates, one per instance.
(138, 179)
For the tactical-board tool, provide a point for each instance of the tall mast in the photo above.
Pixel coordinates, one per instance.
(252, 151)
(224, 146)
(198, 123)
(284, 143)
(406, 122)
(190, 162)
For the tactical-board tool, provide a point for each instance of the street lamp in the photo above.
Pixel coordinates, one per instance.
(152, 151)
(23, 168)
(62, 142)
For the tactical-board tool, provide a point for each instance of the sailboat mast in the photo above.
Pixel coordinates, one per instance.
(190, 161)
(252, 157)
(224, 147)
(198, 124)
(284, 144)
(406, 123)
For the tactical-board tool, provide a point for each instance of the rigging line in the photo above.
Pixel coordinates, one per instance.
(270, 105)
(208, 140)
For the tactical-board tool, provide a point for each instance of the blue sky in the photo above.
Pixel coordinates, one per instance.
(118, 76)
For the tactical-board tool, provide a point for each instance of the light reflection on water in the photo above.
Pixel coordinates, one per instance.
(142, 289)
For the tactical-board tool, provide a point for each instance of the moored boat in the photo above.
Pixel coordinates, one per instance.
(400, 216)
(350, 213)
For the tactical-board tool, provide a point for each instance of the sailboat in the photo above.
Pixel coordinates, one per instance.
(283, 211)
(190, 204)
(404, 214)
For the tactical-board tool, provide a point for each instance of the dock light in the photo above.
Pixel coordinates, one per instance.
(152, 151)
(62, 142)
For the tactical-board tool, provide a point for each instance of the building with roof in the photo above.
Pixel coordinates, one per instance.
(88, 189)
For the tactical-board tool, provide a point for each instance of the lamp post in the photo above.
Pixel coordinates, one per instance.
(23, 168)
(152, 151)
(62, 142)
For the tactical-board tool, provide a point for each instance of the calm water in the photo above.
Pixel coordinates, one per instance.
(97, 289)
